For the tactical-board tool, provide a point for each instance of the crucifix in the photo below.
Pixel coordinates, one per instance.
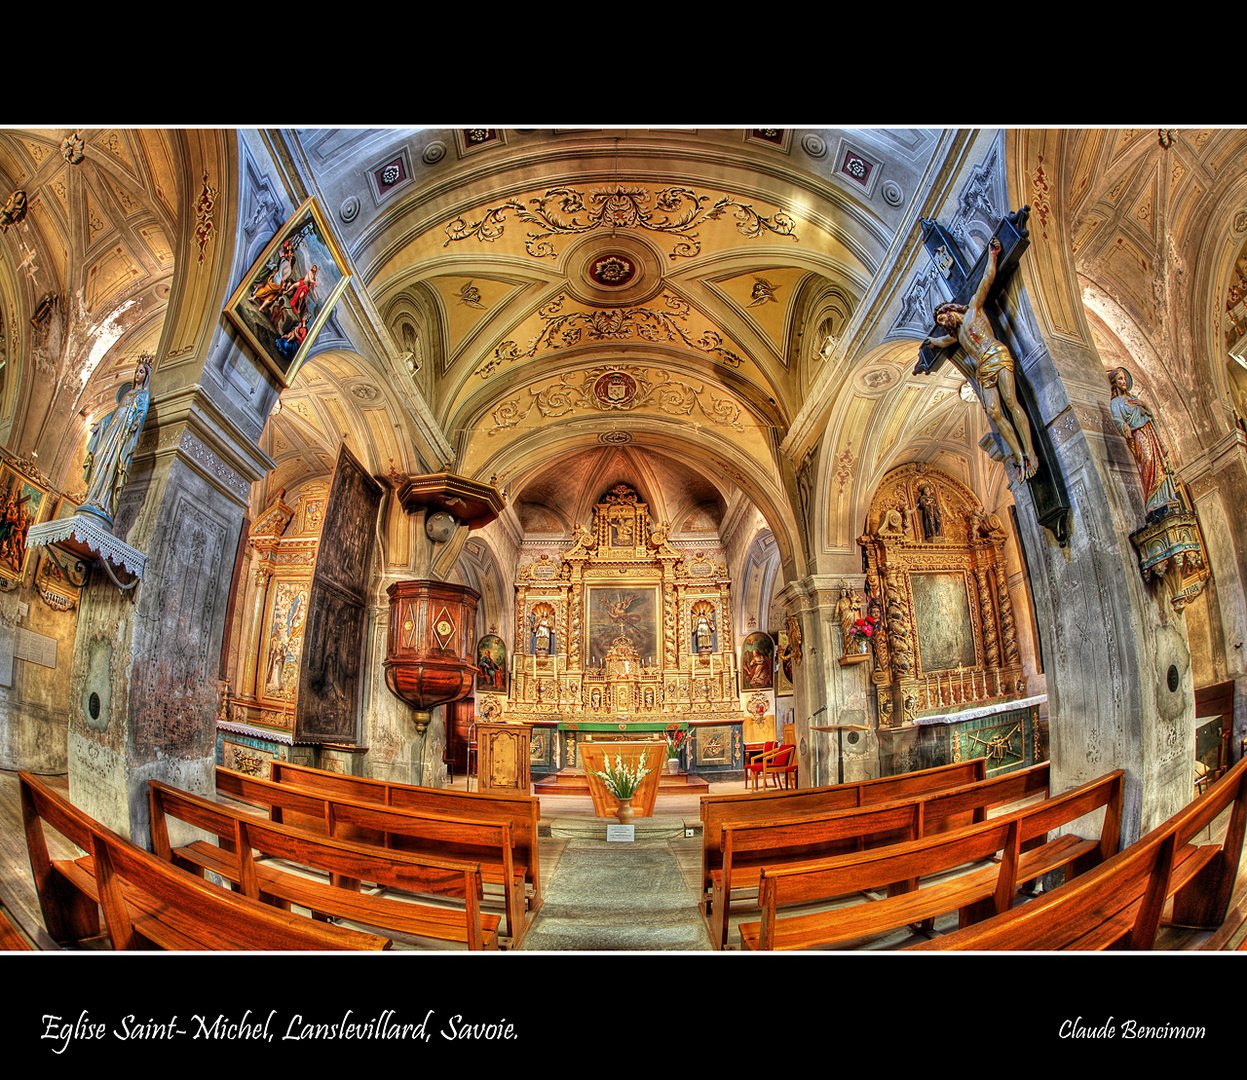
(966, 335)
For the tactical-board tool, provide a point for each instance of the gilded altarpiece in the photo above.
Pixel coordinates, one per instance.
(284, 542)
(613, 640)
(937, 580)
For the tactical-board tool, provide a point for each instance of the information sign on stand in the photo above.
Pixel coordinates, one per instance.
(625, 833)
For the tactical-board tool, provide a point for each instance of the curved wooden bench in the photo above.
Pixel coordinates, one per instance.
(986, 886)
(746, 847)
(241, 834)
(1119, 903)
(522, 811)
(720, 810)
(147, 902)
(488, 842)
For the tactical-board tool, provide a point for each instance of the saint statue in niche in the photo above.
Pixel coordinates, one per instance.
(929, 510)
(703, 627)
(110, 449)
(848, 611)
(542, 620)
(991, 366)
(1138, 427)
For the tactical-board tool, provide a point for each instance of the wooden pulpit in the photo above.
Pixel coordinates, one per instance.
(502, 756)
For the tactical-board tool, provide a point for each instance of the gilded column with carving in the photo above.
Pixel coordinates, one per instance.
(1008, 631)
(991, 643)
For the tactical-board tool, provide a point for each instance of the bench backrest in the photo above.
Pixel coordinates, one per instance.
(241, 832)
(718, 810)
(908, 861)
(819, 834)
(1080, 906)
(1206, 900)
(204, 915)
(523, 811)
(374, 823)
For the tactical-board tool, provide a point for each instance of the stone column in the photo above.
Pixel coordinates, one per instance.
(1116, 656)
(825, 692)
(143, 682)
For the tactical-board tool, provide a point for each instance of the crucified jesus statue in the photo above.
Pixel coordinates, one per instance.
(990, 365)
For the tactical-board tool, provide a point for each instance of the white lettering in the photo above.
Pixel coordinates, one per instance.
(500, 1030)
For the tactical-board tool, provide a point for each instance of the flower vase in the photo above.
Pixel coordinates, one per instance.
(673, 765)
(862, 646)
(625, 813)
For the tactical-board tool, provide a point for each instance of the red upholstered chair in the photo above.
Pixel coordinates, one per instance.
(782, 761)
(754, 765)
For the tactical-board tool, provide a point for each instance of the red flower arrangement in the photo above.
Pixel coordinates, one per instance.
(863, 628)
(676, 738)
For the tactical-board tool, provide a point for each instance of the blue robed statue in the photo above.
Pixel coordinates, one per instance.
(110, 449)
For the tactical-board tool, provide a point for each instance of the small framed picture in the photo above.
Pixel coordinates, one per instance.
(285, 298)
(22, 503)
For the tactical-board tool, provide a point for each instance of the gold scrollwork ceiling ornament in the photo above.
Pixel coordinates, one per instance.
(564, 330)
(670, 210)
(605, 389)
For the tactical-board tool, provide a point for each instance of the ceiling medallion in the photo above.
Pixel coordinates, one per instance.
(566, 329)
(615, 438)
(598, 390)
(615, 390)
(612, 271)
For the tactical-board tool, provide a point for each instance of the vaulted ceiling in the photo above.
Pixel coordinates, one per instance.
(577, 307)
(589, 306)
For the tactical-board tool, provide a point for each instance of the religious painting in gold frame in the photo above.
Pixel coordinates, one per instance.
(757, 661)
(616, 612)
(282, 647)
(23, 503)
(942, 620)
(286, 296)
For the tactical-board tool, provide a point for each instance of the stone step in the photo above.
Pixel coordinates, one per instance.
(658, 827)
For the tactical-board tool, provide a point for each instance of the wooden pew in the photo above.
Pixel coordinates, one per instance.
(240, 834)
(1119, 904)
(487, 842)
(523, 811)
(11, 937)
(718, 810)
(1215, 705)
(147, 902)
(747, 846)
(1025, 853)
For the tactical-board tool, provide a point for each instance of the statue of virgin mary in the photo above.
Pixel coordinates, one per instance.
(111, 447)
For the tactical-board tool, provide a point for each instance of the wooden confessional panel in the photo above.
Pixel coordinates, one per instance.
(337, 617)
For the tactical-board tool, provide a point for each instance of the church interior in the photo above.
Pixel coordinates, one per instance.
(423, 437)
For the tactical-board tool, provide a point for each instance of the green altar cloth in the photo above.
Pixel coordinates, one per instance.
(621, 725)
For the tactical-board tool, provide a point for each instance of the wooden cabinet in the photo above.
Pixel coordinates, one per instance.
(503, 756)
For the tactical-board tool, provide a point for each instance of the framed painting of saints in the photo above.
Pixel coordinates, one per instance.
(621, 611)
(286, 296)
(491, 658)
(757, 661)
(22, 503)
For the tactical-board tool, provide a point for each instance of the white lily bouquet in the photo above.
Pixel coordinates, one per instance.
(622, 780)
